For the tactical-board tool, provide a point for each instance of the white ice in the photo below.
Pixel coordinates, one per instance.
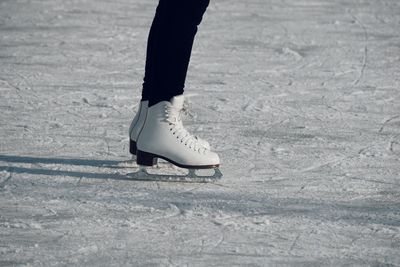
(300, 98)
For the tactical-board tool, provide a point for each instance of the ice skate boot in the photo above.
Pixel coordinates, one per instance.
(137, 124)
(163, 136)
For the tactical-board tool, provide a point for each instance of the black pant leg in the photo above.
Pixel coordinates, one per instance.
(169, 47)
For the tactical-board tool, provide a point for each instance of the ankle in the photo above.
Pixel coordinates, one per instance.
(155, 100)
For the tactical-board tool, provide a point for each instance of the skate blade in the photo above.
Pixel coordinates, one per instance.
(131, 164)
(143, 175)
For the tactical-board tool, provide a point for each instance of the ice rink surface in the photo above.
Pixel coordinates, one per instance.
(299, 97)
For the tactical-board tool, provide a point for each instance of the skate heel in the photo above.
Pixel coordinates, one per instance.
(145, 159)
(132, 147)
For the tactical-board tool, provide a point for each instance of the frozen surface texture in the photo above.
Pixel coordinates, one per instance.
(300, 98)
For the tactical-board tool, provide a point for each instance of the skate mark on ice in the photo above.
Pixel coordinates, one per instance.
(170, 212)
(323, 164)
(294, 243)
(392, 144)
(332, 162)
(369, 180)
(79, 182)
(28, 85)
(220, 241)
(16, 87)
(365, 55)
(257, 164)
(9, 176)
(335, 76)
(386, 122)
(335, 161)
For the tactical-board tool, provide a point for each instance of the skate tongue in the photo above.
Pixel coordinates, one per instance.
(177, 101)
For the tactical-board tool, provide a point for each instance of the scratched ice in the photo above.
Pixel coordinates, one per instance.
(300, 98)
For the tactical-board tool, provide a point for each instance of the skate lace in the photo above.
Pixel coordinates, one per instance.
(174, 118)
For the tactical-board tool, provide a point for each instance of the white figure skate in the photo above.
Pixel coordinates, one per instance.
(163, 136)
(137, 125)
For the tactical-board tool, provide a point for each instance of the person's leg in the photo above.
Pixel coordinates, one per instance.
(162, 134)
(169, 48)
